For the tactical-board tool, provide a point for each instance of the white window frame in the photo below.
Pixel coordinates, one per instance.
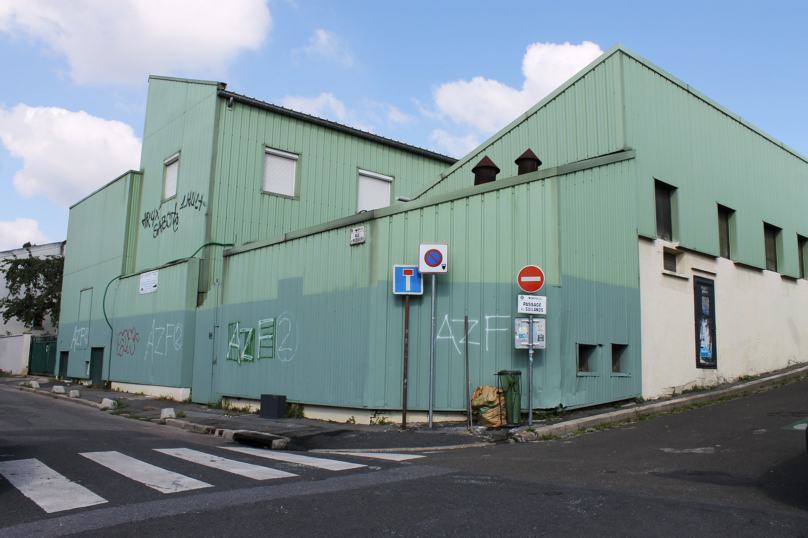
(286, 155)
(376, 176)
(166, 163)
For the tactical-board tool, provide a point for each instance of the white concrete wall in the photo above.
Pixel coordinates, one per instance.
(14, 352)
(761, 320)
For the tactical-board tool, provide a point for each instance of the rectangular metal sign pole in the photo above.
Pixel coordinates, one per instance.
(468, 381)
(432, 357)
(530, 371)
(406, 357)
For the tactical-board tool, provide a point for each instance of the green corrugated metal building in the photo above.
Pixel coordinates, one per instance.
(656, 214)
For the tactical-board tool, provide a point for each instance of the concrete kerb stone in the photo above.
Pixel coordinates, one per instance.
(62, 397)
(403, 449)
(569, 427)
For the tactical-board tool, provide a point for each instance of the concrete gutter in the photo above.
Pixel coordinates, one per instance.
(402, 449)
(570, 427)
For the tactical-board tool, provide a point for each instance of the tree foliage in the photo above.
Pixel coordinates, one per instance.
(34, 289)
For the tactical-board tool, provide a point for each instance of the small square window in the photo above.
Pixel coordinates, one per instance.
(172, 167)
(669, 261)
(373, 191)
(586, 358)
(771, 238)
(619, 358)
(279, 172)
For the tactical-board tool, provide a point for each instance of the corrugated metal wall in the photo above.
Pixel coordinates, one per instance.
(180, 117)
(327, 173)
(712, 158)
(333, 305)
(582, 121)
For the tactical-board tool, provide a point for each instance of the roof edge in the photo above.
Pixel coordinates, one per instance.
(249, 101)
(99, 189)
(220, 85)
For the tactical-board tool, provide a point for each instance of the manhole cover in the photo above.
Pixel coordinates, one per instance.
(796, 414)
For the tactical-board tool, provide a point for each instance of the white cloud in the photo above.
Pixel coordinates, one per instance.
(66, 155)
(123, 42)
(17, 232)
(325, 45)
(397, 116)
(326, 106)
(454, 145)
(487, 105)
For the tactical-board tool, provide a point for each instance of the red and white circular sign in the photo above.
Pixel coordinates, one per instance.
(530, 278)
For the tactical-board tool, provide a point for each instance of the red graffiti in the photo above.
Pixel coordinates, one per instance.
(126, 341)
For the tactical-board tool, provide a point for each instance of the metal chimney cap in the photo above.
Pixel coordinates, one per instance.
(528, 156)
(486, 163)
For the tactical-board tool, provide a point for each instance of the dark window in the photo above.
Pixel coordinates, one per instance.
(664, 220)
(669, 261)
(724, 213)
(706, 348)
(770, 234)
(619, 358)
(802, 251)
(586, 358)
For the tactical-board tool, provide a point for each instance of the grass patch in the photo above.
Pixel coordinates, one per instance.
(294, 410)
(165, 398)
(379, 419)
(120, 404)
(221, 404)
(180, 414)
(5, 374)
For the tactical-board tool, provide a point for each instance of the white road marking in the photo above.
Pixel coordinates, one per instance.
(381, 455)
(155, 477)
(320, 463)
(256, 472)
(50, 490)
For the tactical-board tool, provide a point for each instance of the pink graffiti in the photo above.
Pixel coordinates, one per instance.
(126, 341)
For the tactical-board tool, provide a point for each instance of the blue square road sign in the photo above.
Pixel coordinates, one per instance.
(407, 280)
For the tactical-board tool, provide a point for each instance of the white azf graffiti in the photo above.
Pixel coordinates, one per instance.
(240, 340)
(286, 336)
(159, 337)
(496, 327)
(448, 325)
(80, 338)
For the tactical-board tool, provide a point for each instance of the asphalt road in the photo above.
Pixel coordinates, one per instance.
(727, 469)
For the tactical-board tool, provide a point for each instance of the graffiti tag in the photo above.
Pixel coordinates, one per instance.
(159, 336)
(80, 338)
(127, 340)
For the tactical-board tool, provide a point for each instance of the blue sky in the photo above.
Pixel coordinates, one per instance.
(439, 75)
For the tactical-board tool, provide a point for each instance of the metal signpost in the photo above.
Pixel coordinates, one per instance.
(531, 280)
(433, 258)
(406, 281)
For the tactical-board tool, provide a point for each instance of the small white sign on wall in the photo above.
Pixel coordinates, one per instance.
(357, 235)
(148, 282)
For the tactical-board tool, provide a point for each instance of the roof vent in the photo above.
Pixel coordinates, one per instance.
(527, 162)
(485, 171)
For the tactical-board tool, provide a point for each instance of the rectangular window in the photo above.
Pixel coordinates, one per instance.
(664, 215)
(586, 358)
(279, 172)
(619, 358)
(373, 191)
(706, 348)
(172, 167)
(770, 237)
(669, 261)
(724, 214)
(802, 252)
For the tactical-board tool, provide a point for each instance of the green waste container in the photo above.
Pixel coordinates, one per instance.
(510, 381)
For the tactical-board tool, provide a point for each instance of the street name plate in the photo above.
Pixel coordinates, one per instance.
(531, 304)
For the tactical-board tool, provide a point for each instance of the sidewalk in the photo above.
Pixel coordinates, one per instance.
(308, 434)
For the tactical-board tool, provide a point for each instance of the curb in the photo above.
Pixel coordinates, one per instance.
(404, 449)
(563, 429)
(60, 396)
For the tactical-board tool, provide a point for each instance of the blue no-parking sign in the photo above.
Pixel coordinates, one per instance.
(407, 280)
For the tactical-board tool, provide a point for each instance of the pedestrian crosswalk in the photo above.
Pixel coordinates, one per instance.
(54, 492)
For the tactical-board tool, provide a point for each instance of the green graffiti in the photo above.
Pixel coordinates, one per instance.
(266, 339)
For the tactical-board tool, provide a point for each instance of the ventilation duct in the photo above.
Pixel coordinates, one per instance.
(485, 171)
(527, 162)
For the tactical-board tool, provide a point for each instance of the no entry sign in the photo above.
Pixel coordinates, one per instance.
(530, 278)
(433, 258)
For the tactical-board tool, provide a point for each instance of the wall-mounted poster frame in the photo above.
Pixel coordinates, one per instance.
(704, 299)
